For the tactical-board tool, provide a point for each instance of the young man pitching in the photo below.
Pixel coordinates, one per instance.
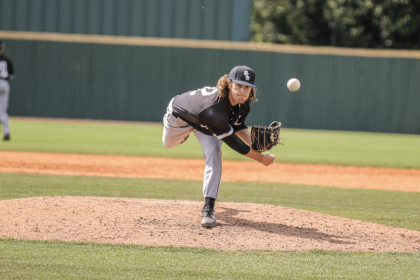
(215, 115)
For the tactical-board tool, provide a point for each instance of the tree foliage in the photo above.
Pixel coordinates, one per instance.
(392, 24)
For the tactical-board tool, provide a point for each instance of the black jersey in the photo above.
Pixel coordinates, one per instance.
(210, 114)
(6, 67)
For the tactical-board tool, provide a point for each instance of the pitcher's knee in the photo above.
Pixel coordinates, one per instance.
(168, 145)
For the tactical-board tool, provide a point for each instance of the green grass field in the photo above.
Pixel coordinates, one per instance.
(71, 260)
(136, 139)
(23, 259)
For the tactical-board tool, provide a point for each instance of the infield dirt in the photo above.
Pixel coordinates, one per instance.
(193, 169)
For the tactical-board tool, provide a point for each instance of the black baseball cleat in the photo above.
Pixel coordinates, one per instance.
(6, 137)
(209, 217)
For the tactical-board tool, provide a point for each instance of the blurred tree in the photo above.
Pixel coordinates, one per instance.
(357, 23)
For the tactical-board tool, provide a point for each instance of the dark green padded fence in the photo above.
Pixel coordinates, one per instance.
(98, 81)
(190, 19)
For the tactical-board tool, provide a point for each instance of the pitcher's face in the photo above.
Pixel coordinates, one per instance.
(238, 93)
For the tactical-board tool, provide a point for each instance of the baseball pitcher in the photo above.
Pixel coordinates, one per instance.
(215, 115)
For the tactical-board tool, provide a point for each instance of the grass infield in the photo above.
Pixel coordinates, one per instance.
(142, 139)
(21, 259)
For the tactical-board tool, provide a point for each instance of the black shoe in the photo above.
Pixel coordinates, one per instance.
(6, 137)
(209, 217)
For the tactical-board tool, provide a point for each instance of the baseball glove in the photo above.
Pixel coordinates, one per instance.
(264, 138)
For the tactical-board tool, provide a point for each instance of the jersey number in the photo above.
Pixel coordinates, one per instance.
(205, 91)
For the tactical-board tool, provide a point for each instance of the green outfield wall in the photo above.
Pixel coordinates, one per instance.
(190, 19)
(135, 80)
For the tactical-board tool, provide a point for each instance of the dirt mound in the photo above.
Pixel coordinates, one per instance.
(177, 223)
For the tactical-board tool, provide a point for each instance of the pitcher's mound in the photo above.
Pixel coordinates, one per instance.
(177, 223)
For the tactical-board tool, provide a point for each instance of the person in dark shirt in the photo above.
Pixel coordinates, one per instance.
(6, 72)
(215, 115)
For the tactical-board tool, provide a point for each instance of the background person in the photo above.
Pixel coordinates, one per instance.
(6, 72)
(215, 115)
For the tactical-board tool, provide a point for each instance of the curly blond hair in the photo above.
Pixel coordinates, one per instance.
(223, 86)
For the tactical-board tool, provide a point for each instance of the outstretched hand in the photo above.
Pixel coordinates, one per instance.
(268, 159)
(265, 159)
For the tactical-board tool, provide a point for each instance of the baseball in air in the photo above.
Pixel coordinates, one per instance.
(293, 84)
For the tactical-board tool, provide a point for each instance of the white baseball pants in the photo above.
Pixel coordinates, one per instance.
(174, 132)
(4, 105)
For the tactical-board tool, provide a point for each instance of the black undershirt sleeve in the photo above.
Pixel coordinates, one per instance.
(239, 127)
(236, 144)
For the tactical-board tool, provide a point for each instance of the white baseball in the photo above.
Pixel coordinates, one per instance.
(293, 84)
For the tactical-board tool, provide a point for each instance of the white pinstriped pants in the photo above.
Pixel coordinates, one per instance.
(4, 105)
(174, 132)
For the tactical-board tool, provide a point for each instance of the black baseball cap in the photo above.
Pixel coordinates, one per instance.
(242, 75)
